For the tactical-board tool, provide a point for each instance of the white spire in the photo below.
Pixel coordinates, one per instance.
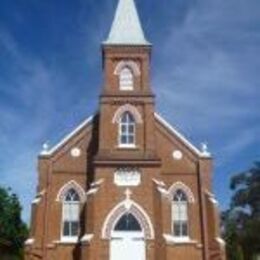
(126, 28)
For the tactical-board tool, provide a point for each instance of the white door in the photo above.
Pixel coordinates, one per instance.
(127, 241)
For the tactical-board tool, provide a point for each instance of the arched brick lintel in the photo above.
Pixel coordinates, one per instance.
(119, 211)
(127, 108)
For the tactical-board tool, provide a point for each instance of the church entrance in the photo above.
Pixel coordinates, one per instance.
(127, 239)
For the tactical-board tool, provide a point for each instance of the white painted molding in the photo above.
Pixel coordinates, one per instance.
(92, 191)
(126, 177)
(67, 137)
(127, 108)
(36, 200)
(87, 238)
(97, 183)
(71, 185)
(159, 183)
(67, 240)
(212, 198)
(180, 185)
(171, 240)
(221, 241)
(214, 201)
(111, 216)
(29, 241)
(130, 64)
(41, 193)
(181, 137)
(163, 192)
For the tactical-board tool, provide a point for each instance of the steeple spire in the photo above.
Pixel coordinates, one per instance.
(126, 28)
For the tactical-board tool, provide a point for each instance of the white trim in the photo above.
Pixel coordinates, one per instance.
(92, 191)
(36, 201)
(220, 241)
(170, 239)
(163, 192)
(127, 63)
(127, 146)
(127, 108)
(87, 238)
(96, 183)
(29, 241)
(159, 183)
(67, 240)
(125, 204)
(181, 137)
(67, 137)
(71, 184)
(180, 185)
(214, 201)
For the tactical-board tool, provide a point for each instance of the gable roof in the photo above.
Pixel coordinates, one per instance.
(69, 136)
(181, 137)
(126, 27)
(159, 118)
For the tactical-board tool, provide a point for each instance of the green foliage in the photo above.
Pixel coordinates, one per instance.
(242, 220)
(13, 231)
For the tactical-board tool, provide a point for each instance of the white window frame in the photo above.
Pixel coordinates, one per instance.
(70, 238)
(182, 237)
(126, 79)
(126, 133)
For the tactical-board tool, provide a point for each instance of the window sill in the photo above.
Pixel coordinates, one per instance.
(127, 146)
(172, 240)
(68, 240)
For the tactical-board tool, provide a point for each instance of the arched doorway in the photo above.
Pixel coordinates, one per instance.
(127, 239)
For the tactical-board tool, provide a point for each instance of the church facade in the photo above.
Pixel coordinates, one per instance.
(125, 184)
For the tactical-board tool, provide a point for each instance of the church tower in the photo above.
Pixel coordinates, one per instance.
(126, 59)
(125, 184)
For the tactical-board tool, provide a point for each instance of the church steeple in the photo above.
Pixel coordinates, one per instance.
(126, 97)
(126, 28)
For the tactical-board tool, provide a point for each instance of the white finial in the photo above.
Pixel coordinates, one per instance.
(204, 149)
(45, 148)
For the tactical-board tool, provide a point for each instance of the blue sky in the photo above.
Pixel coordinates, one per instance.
(205, 73)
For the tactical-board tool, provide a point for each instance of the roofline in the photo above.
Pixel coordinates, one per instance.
(67, 137)
(173, 130)
(192, 147)
(107, 43)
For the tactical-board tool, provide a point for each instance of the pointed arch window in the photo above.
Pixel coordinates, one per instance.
(128, 223)
(180, 214)
(126, 79)
(70, 215)
(127, 130)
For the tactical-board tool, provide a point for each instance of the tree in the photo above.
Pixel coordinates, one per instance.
(13, 231)
(242, 220)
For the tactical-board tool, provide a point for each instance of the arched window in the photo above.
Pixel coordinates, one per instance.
(180, 214)
(127, 130)
(70, 215)
(128, 223)
(126, 79)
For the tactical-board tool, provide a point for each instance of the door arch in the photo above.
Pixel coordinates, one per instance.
(127, 206)
(127, 239)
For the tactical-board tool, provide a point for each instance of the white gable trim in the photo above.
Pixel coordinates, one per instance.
(181, 137)
(67, 137)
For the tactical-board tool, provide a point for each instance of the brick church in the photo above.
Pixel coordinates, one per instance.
(125, 184)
